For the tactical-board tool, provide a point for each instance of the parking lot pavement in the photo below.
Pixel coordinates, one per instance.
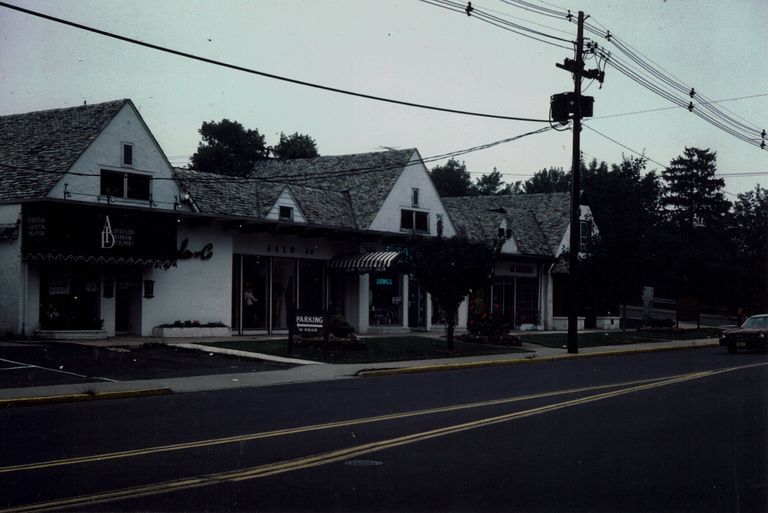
(56, 363)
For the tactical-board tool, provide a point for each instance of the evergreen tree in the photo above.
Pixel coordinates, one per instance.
(693, 196)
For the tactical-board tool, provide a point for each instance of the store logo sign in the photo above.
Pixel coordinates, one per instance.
(107, 237)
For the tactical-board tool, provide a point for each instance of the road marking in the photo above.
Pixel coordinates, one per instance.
(340, 455)
(303, 429)
(30, 365)
(17, 367)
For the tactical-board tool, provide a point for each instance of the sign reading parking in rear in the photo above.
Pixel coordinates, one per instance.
(310, 324)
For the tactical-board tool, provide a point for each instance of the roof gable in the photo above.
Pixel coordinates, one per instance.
(37, 148)
(366, 177)
(537, 222)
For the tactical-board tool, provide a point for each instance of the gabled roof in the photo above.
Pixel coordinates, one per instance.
(250, 197)
(538, 221)
(366, 177)
(36, 148)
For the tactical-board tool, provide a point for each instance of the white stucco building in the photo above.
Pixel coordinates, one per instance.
(100, 236)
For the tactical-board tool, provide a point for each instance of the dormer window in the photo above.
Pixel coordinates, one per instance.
(128, 154)
(414, 197)
(286, 213)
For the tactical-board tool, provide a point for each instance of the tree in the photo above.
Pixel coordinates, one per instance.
(449, 269)
(227, 148)
(452, 179)
(695, 252)
(549, 180)
(295, 146)
(750, 240)
(693, 195)
(625, 206)
(490, 184)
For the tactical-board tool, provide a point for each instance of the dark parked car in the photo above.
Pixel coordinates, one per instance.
(752, 335)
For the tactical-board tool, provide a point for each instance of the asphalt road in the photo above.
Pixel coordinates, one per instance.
(661, 432)
(58, 363)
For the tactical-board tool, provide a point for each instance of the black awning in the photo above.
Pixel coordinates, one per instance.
(364, 262)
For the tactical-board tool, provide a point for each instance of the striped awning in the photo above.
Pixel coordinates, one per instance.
(364, 262)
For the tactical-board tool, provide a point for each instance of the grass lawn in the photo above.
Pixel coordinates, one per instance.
(384, 349)
(614, 338)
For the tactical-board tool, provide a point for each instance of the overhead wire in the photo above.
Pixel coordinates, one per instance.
(252, 71)
(501, 23)
(282, 178)
(641, 69)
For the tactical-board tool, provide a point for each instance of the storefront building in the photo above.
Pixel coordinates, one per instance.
(100, 236)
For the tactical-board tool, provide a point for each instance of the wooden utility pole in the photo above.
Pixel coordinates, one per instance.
(575, 240)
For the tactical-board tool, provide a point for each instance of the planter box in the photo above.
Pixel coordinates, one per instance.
(192, 332)
(71, 334)
(609, 323)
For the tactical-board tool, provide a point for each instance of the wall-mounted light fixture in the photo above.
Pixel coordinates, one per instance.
(149, 289)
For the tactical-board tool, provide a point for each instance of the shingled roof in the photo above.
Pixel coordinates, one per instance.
(366, 177)
(36, 148)
(251, 197)
(538, 221)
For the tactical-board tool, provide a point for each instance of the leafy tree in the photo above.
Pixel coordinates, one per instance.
(625, 206)
(449, 269)
(490, 184)
(227, 148)
(295, 146)
(750, 240)
(549, 180)
(452, 179)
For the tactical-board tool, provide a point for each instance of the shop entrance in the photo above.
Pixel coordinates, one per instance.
(128, 302)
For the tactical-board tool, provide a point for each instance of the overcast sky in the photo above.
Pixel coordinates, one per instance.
(402, 49)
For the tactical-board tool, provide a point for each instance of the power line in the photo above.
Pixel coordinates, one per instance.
(659, 109)
(498, 22)
(261, 73)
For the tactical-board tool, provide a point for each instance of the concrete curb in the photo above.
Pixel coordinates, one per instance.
(526, 359)
(84, 396)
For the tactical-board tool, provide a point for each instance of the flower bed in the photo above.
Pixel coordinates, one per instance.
(191, 329)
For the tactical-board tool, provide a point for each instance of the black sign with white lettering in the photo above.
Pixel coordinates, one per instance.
(310, 324)
(74, 232)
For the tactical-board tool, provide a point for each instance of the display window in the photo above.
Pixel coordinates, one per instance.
(70, 298)
(386, 299)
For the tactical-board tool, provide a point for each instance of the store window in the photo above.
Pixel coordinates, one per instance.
(70, 298)
(386, 299)
(311, 289)
(283, 291)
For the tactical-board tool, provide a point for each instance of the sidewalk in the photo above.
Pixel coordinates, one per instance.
(307, 371)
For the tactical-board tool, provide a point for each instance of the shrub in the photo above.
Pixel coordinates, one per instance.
(193, 324)
(340, 327)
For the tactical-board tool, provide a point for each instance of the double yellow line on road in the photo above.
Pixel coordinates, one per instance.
(335, 456)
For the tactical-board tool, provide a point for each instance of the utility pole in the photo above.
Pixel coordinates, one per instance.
(575, 241)
(565, 107)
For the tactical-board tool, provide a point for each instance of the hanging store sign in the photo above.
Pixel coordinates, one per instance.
(94, 234)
